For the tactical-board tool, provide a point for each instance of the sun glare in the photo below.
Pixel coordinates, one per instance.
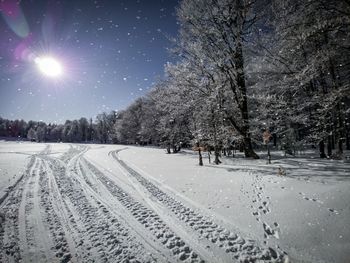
(49, 66)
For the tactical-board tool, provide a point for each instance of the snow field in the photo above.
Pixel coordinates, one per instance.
(305, 212)
(94, 203)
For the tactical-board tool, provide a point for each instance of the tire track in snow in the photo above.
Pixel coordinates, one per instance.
(102, 235)
(96, 189)
(22, 222)
(57, 217)
(26, 238)
(9, 216)
(240, 249)
(46, 240)
(150, 220)
(32, 221)
(98, 237)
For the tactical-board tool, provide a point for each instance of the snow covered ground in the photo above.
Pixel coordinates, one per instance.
(13, 160)
(111, 203)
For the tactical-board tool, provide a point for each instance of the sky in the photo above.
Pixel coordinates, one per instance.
(110, 52)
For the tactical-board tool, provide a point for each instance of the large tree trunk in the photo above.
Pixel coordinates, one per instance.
(168, 149)
(329, 146)
(340, 130)
(217, 155)
(333, 140)
(240, 80)
(274, 136)
(248, 149)
(322, 149)
(200, 156)
(340, 146)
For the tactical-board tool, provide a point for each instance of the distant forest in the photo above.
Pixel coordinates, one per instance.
(244, 68)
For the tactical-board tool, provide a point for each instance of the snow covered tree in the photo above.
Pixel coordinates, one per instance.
(41, 132)
(74, 132)
(149, 123)
(198, 100)
(104, 127)
(83, 129)
(174, 115)
(302, 65)
(56, 133)
(218, 29)
(31, 135)
(128, 125)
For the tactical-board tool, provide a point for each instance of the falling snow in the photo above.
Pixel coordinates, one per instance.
(102, 40)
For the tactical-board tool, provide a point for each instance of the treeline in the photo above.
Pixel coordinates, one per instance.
(244, 68)
(101, 130)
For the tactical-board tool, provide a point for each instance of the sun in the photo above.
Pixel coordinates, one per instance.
(49, 66)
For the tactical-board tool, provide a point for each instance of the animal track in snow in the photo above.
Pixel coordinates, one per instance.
(271, 231)
(333, 211)
(262, 208)
(315, 200)
(309, 198)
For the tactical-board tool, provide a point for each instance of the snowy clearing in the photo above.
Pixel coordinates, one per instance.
(111, 203)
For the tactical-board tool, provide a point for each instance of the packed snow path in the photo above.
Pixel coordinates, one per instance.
(66, 208)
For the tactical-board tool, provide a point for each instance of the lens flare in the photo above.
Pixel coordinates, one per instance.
(12, 13)
(49, 66)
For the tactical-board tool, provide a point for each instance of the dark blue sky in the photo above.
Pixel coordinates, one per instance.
(111, 52)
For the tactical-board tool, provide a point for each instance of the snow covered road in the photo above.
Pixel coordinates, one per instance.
(101, 203)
